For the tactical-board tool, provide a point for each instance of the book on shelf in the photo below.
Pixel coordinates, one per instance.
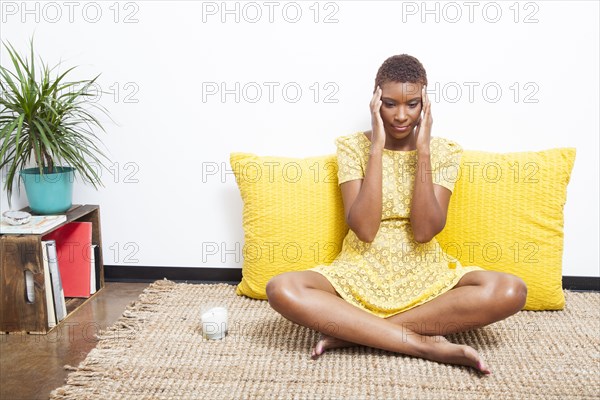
(38, 224)
(93, 268)
(50, 308)
(97, 266)
(73, 246)
(60, 305)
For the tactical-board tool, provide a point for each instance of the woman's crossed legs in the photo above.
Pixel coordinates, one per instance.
(478, 299)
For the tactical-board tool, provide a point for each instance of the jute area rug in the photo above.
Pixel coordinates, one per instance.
(156, 351)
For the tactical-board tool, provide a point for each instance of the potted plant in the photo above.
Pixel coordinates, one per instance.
(46, 131)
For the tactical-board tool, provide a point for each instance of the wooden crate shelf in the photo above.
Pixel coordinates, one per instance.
(21, 253)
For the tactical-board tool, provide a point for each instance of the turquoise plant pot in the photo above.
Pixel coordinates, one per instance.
(49, 193)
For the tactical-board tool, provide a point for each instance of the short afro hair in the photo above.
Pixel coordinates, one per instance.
(401, 68)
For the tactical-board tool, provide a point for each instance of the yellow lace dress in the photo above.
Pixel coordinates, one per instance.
(394, 273)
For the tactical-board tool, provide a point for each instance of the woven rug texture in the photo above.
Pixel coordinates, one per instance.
(156, 351)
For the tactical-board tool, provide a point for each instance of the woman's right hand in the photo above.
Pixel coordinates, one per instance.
(377, 130)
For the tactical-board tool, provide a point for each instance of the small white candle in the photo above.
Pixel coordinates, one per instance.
(214, 323)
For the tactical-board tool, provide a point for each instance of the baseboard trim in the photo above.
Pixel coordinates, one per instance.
(583, 283)
(125, 273)
(120, 273)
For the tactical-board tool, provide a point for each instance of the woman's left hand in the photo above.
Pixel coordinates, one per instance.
(423, 130)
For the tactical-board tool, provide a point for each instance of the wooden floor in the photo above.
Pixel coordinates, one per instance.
(31, 366)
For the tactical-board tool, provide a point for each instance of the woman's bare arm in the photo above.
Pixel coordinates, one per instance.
(429, 206)
(362, 197)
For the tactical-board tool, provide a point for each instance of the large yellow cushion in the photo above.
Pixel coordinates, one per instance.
(506, 214)
(293, 216)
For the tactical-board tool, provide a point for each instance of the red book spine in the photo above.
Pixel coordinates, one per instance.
(73, 244)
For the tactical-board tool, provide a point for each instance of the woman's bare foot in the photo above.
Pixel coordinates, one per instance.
(435, 348)
(438, 348)
(328, 342)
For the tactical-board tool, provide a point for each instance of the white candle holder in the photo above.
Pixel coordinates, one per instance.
(214, 323)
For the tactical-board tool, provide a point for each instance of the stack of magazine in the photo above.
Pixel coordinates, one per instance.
(38, 224)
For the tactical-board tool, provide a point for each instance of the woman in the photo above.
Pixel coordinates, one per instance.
(392, 287)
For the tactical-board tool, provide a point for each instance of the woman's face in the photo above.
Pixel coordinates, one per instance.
(400, 110)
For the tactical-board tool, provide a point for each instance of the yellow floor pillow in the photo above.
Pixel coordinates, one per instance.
(293, 216)
(506, 214)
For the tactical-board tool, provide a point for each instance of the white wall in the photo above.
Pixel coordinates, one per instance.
(172, 138)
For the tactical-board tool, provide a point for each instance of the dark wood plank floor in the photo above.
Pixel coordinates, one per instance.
(31, 366)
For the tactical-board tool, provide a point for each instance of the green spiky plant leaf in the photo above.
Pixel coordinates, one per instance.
(45, 117)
